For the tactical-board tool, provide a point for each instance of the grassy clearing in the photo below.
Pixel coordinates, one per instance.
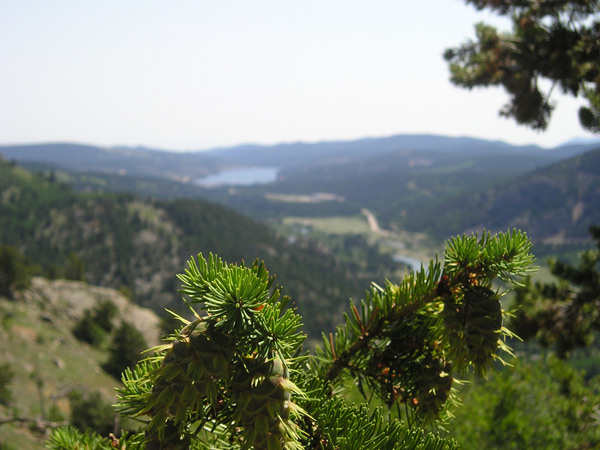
(331, 225)
(412, 245)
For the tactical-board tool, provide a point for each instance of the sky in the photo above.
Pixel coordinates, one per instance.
(198, 74)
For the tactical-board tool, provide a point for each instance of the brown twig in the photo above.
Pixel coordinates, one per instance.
(40, 423)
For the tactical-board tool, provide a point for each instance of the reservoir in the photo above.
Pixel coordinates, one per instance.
(245, 176)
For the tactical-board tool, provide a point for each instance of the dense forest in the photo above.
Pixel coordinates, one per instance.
(123, 241)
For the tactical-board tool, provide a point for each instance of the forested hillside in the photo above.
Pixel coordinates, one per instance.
(131, 161)
(120, 240)
(437, 185)
(555, 204)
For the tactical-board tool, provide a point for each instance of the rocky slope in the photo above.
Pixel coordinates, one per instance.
(48, 362)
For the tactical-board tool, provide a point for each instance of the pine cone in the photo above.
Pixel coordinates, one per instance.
(473, 323)
(263, 392)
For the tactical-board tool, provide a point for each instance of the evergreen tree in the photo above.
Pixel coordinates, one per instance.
(87, 330)
(125, 350)
(15, 272)
(74, 268)
(565, 313)
(90, 412)
(554, 40)
(541, 405)
(6, 378)
(236, 376)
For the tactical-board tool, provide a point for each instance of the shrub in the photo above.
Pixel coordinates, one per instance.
(90, 412)
(87, 330)
(125, 351)
(15, 271)
(6, 377)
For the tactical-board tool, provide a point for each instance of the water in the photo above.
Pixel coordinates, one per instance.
(246, 176)
(413, 263)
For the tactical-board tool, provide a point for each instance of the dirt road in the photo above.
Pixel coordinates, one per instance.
(374, 225)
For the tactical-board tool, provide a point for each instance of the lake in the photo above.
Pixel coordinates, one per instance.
(240, 177)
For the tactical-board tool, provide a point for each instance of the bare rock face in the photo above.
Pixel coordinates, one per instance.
(65, 299)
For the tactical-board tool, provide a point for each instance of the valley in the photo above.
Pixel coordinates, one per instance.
(420, 188)
(336, 217)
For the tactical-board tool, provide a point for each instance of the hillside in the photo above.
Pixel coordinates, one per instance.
(123, 161)
(418, 183)
(124, 241)
(555, 204)
(391, 176)
(48, 363)
(187, 166)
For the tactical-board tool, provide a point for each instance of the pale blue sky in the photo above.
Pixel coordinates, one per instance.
(194, 74)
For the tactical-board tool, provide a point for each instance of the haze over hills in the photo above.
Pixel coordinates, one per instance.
(436, 184)
(146, 162)
(555, 204)
(141, 161)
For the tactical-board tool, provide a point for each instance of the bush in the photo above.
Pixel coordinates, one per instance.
(87, 330)
(90, 412)
(6, 377)
(541, 405)
(125, 350)
(104, 314)
(94, 325)
(15, 272)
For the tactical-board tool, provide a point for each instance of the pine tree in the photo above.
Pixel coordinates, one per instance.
(564, 313)
(558, 41)
(237, 377)
(126, 346)
(15, 271)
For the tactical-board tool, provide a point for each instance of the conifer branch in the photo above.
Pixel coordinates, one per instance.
(233, 377)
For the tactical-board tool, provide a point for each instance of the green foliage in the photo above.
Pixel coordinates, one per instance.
(543, 405)
(87, 330)
(74, 268)
(125, 350)
(90, 412)
(15, 271)
(70, 438)
(564, 314)
(558, 41)
(104, 313)
(94, 325)
(6, 378)
(236, 376)
(408, 341)
(116, 237)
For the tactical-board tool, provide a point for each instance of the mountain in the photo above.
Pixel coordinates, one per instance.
(325, 153)
(123, 161)
(556, 204)
(417, 182)
(122, 240)
(187, 166)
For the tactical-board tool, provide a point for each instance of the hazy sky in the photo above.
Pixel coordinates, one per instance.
(194, 74)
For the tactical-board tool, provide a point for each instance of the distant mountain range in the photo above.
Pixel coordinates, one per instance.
(556, 204)
(186, 166)
(440, 185)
